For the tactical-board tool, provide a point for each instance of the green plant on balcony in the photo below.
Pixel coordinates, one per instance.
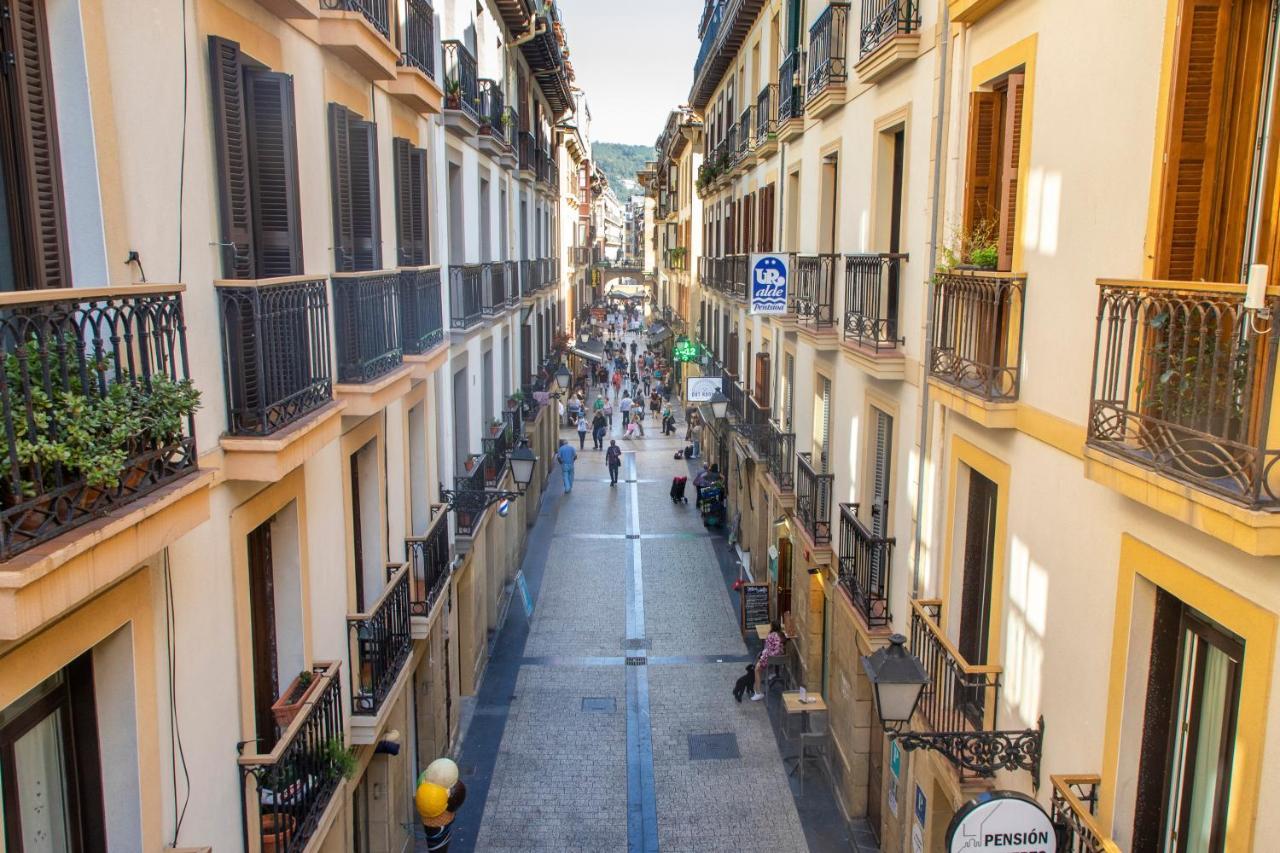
(975, 249)
(340, 759)
(453, 93)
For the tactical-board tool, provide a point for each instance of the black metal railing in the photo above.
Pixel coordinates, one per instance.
(527, 151)
(813, 499)
(736, 276)
(883, 19)
(470, 479)
(960, 697)
(755, 424)
(493, 289)
(461, 86)
(766, 115)
(293, 784)
(827, 39)
(430, 563)
(746, 127)
(512, 275)
(871, 285)
(866, 561)
(380, 643)
(1074, 809)
(97, 406)
(421, 309)
(275, 352)
(709, 37)
(493, 112)
(816, 289)
(418, 37)
(1183, 385)
(791, 87)
(737, 395)
(497, 444)
(376, 12)
(977, 332)
(366, 320)
(466, 285)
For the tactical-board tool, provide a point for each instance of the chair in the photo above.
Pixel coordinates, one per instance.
(813, 741)
(777, 669)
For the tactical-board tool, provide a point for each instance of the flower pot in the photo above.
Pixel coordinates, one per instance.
(36, 514)
(277, 831)
(291, 701)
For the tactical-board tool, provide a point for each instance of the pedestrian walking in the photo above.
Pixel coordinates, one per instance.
(637, 418)
(582, 432)
(625, 406)
(567, 456)
(599, 426)
(613, 459)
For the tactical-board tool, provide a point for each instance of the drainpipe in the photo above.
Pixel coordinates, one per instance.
(938, 148)
(532, 31)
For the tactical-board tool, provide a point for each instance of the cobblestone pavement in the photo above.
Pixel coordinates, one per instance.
(629, 658)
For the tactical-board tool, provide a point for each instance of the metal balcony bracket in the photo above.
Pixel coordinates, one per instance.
(475, 500)
(983, 753)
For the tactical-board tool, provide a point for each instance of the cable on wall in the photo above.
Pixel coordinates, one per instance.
(176, 752)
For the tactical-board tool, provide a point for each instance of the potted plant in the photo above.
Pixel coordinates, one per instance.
(452, 93)
(341, 760)
(977, 249)
(294, 697)
(276, 831)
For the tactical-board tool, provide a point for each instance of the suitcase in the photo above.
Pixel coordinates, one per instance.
(677, 490)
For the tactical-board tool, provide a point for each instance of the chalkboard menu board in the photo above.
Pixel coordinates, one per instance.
(755, 605)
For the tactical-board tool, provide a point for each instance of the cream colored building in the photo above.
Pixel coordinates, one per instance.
(346, 232)
(1006, 413)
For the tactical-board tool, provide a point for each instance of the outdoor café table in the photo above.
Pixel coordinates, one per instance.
(792, 705)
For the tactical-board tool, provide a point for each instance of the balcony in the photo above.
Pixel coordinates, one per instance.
(366, 319)
(977, 341)
(495, 123)
(471, 479)
(723, 32)
(359, 33)
(493, 290)
(430, 566)
(1183, 391)
(415, 82)
(737, 395)
(889, 38)
(828, 70)
(466, 284)
(421, 310)
(735, 283)
(461, 89)
(766, 138)
(379, 646)
(791, 96)
(866, 561)
(780, 452)
(815, 290)
(872, 336)
(755, 426)
(287, 791)
(1074, 807)
(512, 275)
(528, 155)
(813, 500)
(497, 442)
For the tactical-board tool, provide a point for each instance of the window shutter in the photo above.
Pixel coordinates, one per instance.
(231, 137)
(402, 151)
(762, 375)
(880, 473)
(418, 182)
(981, 178)
(340, 171)
(1010, 157)
(366, 222)
(1199, 84)
(273, 169)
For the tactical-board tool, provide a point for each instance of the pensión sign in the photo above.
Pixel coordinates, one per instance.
(1001, 822)
(768, 278)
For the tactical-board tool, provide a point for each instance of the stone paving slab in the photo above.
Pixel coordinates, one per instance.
(679, 573)
(580, 607)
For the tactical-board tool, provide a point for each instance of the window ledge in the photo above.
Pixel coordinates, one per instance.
(292, 9)
(349, 36)
(416, 90)
(886, 364)
(1001, 415)
(969, 11)
(896, 51)
(269, 458)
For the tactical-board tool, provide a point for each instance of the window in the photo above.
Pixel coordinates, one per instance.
(353, 167)
(991, 180)
(414, 242)
(822, 425)
(33, 243)
(257, 149)
(978, 562)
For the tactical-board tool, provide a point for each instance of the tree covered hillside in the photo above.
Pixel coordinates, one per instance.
(620, 163)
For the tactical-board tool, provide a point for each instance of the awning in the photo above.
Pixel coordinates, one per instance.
(597, 357)
(659, 333)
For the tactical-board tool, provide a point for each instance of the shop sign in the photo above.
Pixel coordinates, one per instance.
(700, 389)
(769, 276)
(1001, 822)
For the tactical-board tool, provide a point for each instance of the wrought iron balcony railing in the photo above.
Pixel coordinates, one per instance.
(418, 37)
(497, 443)
(883, 19)
(380, 643)
(816, 289)
(527, 151)
(746, 129)
(871, 299)
(791, 87)
(755, 426)
(1183, 385)
(737, 395)
(366, 319)
(813, 499)
(977, 332)
(493, 112)
(430, 563)
(781, 454)
(421, 309)
(376, 12)
(709, 37)
(766, 113)
(466, 284)
(827, 40)
(99, 375)
(736, 275)
(493, 299)
(512, 275)
(1074, 807)
(960, 696)
(866, 561)
(470, 479)
(285, 792)
(461, 86)
(275, 352)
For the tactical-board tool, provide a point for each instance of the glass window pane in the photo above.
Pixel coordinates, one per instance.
(42, 793)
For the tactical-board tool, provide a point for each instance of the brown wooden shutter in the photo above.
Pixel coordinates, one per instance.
(418, 175)
(273, 169)
(762, 374)
(982, 202)
(1200, 68)
(344, 240)
(231, 136)
(366, 222)
(402, 153)
(1009, 160)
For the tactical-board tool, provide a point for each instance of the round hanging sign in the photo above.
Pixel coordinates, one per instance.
(1001, 822)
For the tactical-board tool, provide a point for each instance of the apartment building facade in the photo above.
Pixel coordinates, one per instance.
(1018, 409)
(239, 611)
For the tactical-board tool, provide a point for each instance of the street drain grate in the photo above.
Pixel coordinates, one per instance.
(600, 704)
(714, 746)
(637, 660)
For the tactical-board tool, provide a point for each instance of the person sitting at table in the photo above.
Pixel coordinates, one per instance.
(772, 648)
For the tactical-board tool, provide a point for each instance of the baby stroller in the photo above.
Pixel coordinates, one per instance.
(677, 490)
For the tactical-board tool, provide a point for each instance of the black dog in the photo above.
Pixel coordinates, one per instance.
(745, 683)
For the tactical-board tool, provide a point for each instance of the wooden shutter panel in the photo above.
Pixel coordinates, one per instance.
(1198, 106)
(419, 167)
(1009, 161)
(762, 374)
(340, 172)
(232, 143)
(880, 473)
(982, 169)
(402, 152)
(366, 223)
(273, 170)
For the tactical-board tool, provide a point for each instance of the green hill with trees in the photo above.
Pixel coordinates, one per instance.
(620, 162)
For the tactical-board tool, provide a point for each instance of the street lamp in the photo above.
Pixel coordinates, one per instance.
(522, 462)
(719, 405)
(897, 678)
(475, 500)
(563, 377)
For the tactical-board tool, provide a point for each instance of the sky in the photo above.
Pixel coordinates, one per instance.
(634, 59)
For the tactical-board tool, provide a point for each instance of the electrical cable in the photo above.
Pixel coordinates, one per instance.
(176, 751)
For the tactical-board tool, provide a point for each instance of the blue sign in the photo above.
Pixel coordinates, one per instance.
(524, 594)
(769, 276)
(921, 806)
